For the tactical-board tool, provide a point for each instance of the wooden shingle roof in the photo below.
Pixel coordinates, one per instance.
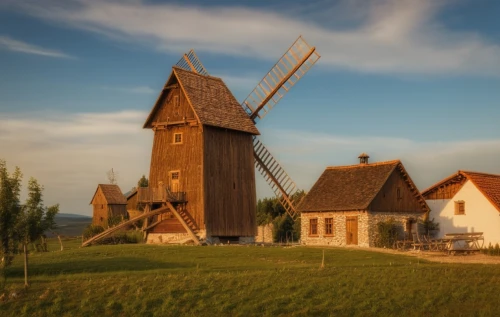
(353, 187)
(211, 100)
(487, 184)
(112, 194)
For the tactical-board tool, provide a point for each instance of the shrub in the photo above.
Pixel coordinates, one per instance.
(387, 234)
(92, 230)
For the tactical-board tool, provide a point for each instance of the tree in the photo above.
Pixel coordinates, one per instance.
(35, 219)
(143, 182)
(10, 210)
(112, 176)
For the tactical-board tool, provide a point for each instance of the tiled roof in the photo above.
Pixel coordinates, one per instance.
(348, 187)
(353, 187)
(212, 102)
(112, 194)
(488, 184)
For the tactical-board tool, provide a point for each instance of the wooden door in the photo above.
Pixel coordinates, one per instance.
(174, 181)
(351, 230)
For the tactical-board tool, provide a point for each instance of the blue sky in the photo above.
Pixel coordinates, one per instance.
(412, 80)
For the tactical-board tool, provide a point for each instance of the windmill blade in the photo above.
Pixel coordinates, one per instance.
(191, 62)
(282, 185)
(292, 66)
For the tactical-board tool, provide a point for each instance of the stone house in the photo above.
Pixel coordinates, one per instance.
(466, 202)
(346, 203)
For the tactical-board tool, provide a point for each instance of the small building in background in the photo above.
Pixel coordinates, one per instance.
(466, 202)
(346, 203)
(108, 203)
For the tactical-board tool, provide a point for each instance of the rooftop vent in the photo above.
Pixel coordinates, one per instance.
(363, 158)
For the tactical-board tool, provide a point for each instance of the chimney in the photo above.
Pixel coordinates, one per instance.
(363, 158)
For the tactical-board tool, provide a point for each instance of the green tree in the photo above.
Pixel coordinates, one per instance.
(35, 219)
(10, 210)
(143, 182)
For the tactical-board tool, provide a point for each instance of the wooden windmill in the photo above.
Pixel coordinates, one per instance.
(205, 150)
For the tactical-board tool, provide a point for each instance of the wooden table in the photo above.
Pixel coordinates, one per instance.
(463, 242)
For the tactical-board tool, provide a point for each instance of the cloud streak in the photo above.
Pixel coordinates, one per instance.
(383, 36)
(70, 153)
(26, 48)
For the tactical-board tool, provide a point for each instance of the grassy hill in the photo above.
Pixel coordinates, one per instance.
(154, 280)
(70, 225)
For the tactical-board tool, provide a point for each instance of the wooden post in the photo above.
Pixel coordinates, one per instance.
(25, 265)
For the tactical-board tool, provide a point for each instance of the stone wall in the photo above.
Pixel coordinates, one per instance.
(166, 238)
(264, 234)
(367, 226)
(401, 219)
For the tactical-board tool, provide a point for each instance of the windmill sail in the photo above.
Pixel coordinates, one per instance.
(191, 62)
(282, 185)
(292, 66)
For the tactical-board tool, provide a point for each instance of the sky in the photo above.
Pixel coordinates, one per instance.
(415, 80)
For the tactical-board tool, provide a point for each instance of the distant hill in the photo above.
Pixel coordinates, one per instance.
(70, 225)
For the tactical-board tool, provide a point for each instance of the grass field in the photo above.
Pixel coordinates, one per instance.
(149, 280)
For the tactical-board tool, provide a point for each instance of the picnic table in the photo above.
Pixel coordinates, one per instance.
(469, 242)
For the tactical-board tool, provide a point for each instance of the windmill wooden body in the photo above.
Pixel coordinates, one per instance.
(205, 151)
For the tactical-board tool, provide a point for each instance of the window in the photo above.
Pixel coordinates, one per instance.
(399, 193)
(328, 226)
(313, 227)
(175, 175)
(177, 138)
(176, 101)
(460, 207)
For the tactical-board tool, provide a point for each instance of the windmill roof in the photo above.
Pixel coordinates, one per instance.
(353, 187)
(112, 193)
(211, 100)
(488, 184)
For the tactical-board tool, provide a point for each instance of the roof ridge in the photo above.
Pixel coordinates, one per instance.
(364, 165)
(197, 74)
(481, 173)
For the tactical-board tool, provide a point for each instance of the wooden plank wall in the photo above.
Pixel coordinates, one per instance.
(387, 200)
(185, 158)
(132, 202)
(230, 197)
(99, 209)
(446, 191)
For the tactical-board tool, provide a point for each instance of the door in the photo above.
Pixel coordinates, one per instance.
(174, 181)
(351, 224)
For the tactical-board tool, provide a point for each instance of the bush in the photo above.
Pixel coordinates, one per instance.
(387, 234)
(92, 230)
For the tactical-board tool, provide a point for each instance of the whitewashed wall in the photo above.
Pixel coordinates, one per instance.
(480, 214)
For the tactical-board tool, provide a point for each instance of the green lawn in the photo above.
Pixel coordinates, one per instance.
(148, 280)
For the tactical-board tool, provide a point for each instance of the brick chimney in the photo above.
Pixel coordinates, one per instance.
(363, 158)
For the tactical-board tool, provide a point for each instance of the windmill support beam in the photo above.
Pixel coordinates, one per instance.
(281, 83)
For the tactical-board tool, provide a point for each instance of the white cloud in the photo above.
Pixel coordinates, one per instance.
(70, 153)
(305, 155)
(22, 47)
(383, 36)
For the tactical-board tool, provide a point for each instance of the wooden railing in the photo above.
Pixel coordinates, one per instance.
(159, 194)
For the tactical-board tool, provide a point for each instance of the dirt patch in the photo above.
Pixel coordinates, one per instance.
(441, 256)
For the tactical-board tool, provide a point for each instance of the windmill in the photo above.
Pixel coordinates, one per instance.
(291, 67)
(205, 151)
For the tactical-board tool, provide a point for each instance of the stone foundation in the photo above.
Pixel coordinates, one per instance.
(264, 234)
(166, 238)
(367, 226)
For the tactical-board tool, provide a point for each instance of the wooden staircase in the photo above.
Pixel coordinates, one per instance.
(167, 206)
(282, 185)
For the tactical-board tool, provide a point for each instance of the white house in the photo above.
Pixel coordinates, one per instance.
(467, 202)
